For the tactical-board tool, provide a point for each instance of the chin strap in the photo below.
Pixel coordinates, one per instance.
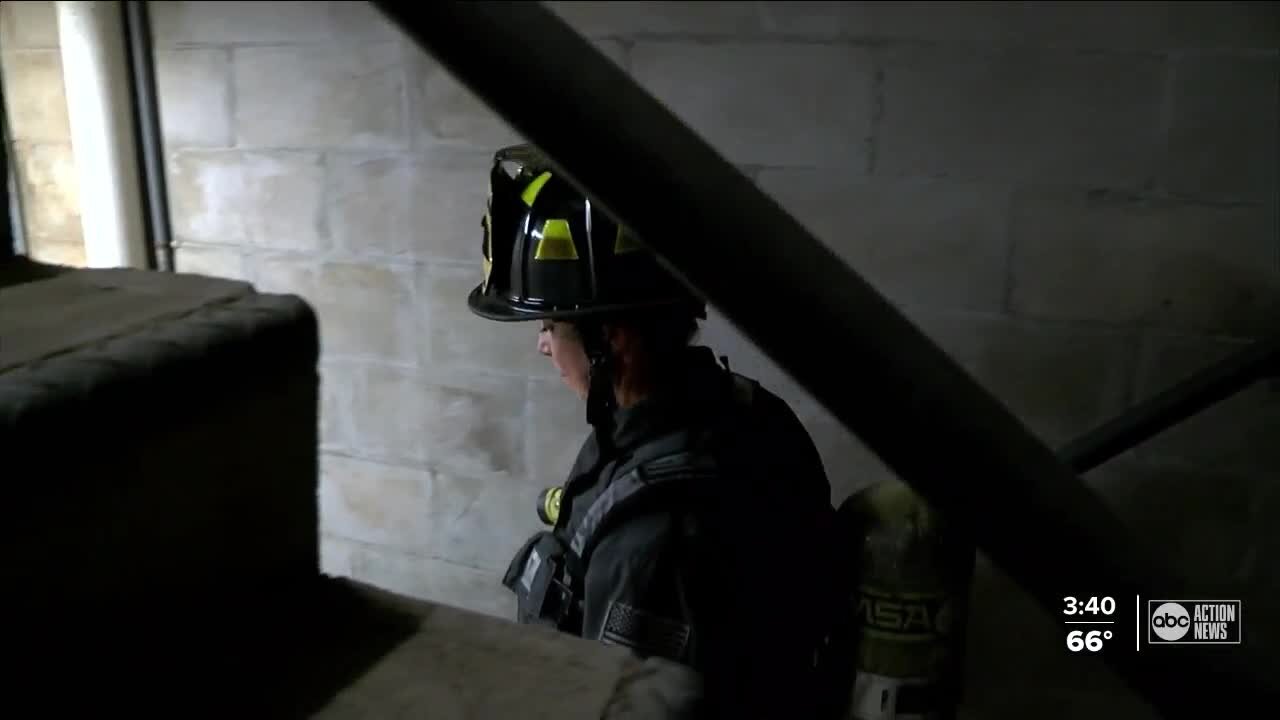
(601, 401)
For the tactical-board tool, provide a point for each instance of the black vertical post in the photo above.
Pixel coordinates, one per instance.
(147, 126)
(8, 241)
(11, 234)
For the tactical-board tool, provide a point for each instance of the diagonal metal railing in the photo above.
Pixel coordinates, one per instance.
(1200, 391)
(887, 382)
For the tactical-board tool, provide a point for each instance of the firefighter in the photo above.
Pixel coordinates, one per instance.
(696, 525)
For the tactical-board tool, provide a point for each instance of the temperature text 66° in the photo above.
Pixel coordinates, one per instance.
(1090, 640)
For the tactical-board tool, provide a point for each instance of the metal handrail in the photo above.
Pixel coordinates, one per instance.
(1207, 387)
(885, 380)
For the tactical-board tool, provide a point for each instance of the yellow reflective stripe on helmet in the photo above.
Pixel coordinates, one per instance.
(556, 242)
(531, 192)
(625, 243)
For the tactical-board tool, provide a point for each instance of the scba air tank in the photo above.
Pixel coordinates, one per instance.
(914, 571)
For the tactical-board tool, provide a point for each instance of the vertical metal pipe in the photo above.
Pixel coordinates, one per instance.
(148, 125)
(8, 241)
(9, 189)
(14, 212)
(886, 381)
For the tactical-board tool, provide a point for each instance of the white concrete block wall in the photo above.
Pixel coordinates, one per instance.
(37, 112)
(1076, 200)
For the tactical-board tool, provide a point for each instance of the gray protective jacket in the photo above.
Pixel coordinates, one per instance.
(703, 533)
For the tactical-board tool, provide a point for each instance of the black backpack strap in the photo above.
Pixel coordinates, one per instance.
(663, 482)
(662, 467)
(673, 465)
(641, 484)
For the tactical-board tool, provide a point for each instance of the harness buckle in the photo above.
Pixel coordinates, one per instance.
(559, 602)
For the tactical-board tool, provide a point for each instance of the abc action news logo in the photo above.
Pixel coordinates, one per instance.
(1193, 622)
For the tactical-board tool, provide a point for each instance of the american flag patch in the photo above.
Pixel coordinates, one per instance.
(644, 632)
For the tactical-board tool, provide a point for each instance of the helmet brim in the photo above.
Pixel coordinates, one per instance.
(491, 308)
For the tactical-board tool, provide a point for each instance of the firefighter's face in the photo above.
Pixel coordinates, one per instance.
(559, 341)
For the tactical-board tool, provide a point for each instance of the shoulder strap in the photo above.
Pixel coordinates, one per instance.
(663, 473)
(667, 464)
